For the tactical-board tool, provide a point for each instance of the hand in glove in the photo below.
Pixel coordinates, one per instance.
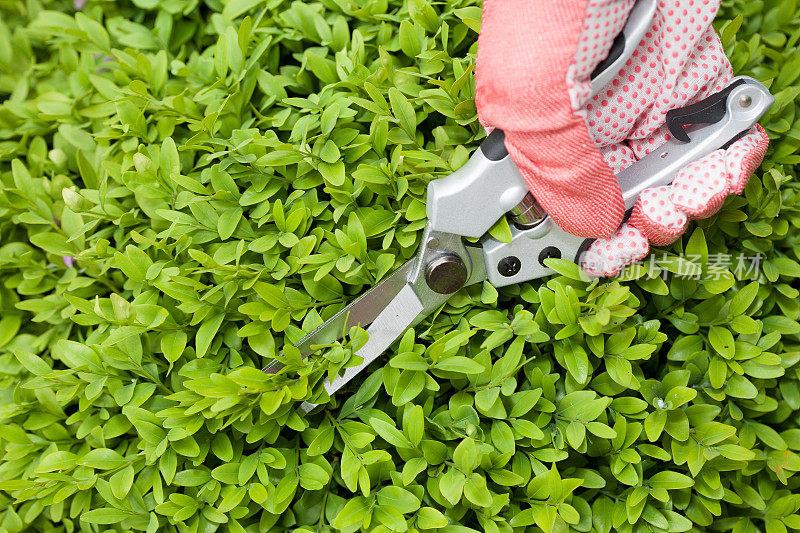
(534, 65)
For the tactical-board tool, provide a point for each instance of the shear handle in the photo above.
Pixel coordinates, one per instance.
(469, 201)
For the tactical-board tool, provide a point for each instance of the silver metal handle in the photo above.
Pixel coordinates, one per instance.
(639, 21)
(470, 200)
(745, 104)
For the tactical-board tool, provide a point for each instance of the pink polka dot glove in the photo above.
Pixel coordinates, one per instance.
(534, 65)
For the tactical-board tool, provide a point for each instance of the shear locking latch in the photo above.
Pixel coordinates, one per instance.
(710, 110)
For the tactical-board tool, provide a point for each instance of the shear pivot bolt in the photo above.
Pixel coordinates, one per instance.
(745, 100)
(446, 274)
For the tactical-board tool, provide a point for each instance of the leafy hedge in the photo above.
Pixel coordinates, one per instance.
(187, 187)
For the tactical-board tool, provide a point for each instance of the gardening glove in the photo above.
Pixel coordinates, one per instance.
(534, 65)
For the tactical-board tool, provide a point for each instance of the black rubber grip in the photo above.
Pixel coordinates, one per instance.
(494, 148)
(710, 110)
(617, 47)
(736, 138)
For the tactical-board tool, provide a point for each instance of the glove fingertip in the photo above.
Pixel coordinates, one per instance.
(744, 156)
(657, 234)
(700, 188)
(657, 217)
(607, 257)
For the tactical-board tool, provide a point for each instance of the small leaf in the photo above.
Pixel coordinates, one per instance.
(398, 498)
(390, 433)
(106, 515)
(172, 345)
(206, 332)
(403, 111)
(451, 485)
(121, 482)
(670, 480)
(97, 35)
(102, 458)
(460, 364)
(32, 363)
(228, 221)
(430, 518)
(475, 491)
(722, 341)
(416, 425)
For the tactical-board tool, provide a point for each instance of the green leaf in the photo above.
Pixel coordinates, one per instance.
(743, 298)
(403, 112)
(235, 8)
(416, 425)
(582, 405)
(476, 492)
(398, 498)
(601, 430)
(430, 518)
(677, 396)
(56, 461)
(460, 364)
(352, 513)
(412, 469)
(106, 515)
(330, 152)
(53, 243)
(566, 268)
(222, 447)
(97, 35)
(228, 221)
(501, 230)
(721, 340)
(696, 248)
(740, 387)
(465, 456)
(22, 179)
(172, 345)
(102, 458)
(121, 482)
(206, 332)
(670, 480)
(390, 433)
(32, 363)
(409, 386)
(278, 158)
(576, 433)
(451, 485)
(576, 360)
(169, 163)
(711, 433)
(313, 476)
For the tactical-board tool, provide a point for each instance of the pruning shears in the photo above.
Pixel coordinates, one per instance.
(467, 203)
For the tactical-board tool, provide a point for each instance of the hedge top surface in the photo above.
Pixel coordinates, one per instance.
(187, 187)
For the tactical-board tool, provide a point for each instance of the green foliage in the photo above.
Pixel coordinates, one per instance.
(187, 188)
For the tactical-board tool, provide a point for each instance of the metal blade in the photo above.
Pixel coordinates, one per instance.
(384, 330)
(361, 312)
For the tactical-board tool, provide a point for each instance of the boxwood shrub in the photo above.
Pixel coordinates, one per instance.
(187, 187)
